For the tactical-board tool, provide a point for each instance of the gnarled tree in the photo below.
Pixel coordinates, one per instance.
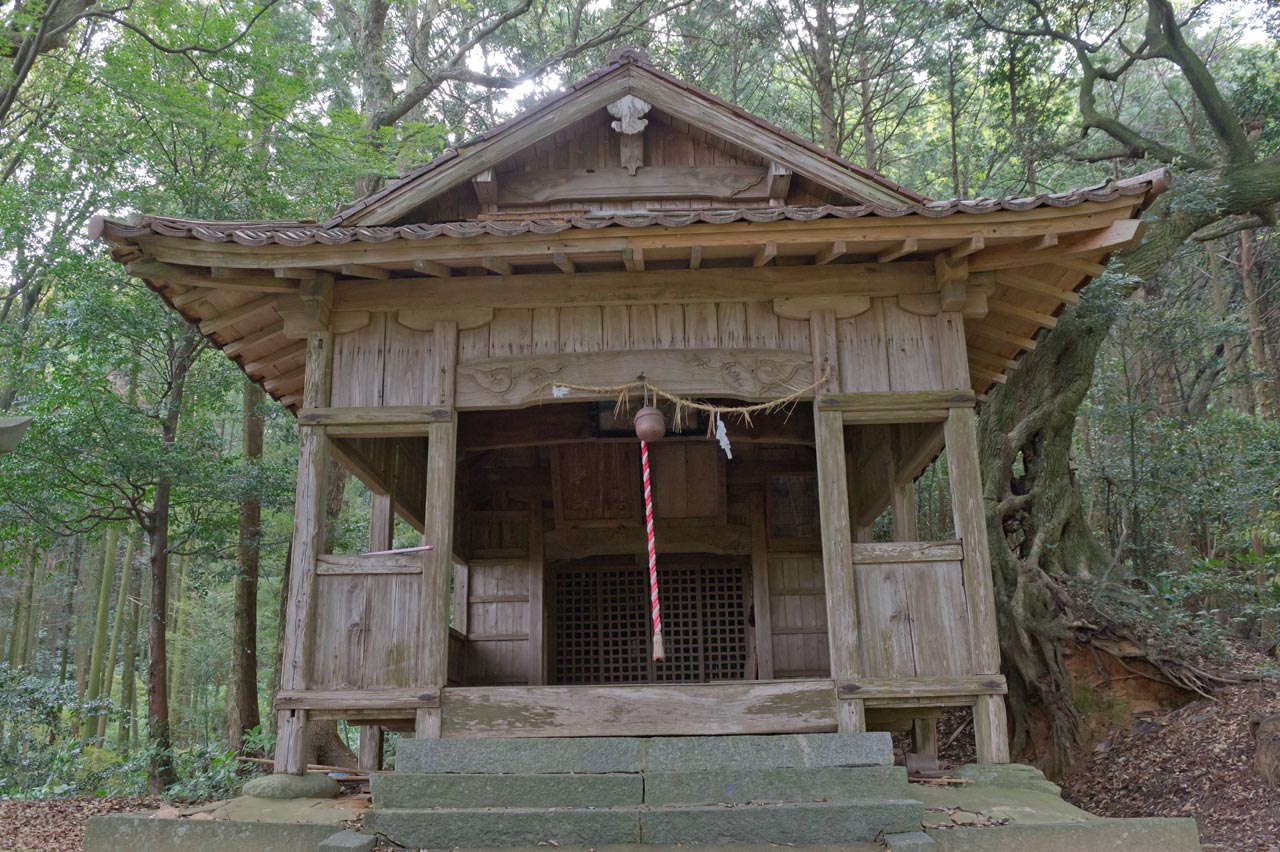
(1044, 555)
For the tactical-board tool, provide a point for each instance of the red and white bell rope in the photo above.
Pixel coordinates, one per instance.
(658, 652)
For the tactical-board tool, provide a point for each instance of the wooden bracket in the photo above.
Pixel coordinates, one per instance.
(486, 186)
(951, 275)
(466, 318)
(779, 184)
(800, 307)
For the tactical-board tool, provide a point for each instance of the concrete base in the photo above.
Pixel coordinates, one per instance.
(239, 825)
(1098, 835)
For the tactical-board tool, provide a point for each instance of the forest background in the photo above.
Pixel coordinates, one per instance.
(1131, 461)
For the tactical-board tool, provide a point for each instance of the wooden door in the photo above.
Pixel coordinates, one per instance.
(600, 629)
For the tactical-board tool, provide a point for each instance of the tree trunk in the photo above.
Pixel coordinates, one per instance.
(18, 653)
(183, 355)
(242, 692)
(129, 665)
(1241, 390)
(117, 629)
(68, 611)
(1263, 363)
(111, 539)
(1040, 543)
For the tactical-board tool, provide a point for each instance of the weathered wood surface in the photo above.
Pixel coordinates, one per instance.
(330, 564)
(926, 687)
(729, 540)
(906, 551)
(498, 618)
(798, 616)
(364, 629)
(741, 374)
(308, 542)
(356, 699)
(723, 182)
(799, 706)
(423, 415)
(914, 620)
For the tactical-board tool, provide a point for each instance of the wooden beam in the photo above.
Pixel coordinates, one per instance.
(221, 278)
(775, 707)
(287, 380)
(1079, 264)
(967, 247)
(921, 687)
(564, 262)
(1041, 243)
(356, 699)
(237, 314)
(331, 564)
(195, 294)
(633, 259)
(695, 257)
(979, 330)
(764, 254)
(991, 360)
(987, 375)
(906, 247)
(779, 183)
(486, 187)
(1029, 284)
(830, 253)
(432, 268)
(1006, 309)
(301, 273)
(276, 357)
(375, 415)
(617, 288)
(363, 270)
(1120, 234)
(497, 265)
(262, 335)
(894, 401)
(906, 550)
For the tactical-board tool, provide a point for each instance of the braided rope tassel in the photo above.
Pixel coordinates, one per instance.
(658, 652)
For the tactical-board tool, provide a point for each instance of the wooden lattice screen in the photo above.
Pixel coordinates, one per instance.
(600, 622)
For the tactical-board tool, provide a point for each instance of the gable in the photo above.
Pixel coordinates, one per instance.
(629, 138)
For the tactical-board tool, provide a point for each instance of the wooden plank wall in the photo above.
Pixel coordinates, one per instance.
(498, 622)
(890, 348)
(363, 631)
(798, 611)
(383, 363)
(622, 328)
(913, 619)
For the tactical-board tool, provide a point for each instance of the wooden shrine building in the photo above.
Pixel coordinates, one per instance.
(435, 339)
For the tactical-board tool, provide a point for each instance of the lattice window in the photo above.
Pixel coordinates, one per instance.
(601, 630)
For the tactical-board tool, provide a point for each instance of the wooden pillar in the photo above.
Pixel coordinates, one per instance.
(760, 591)
(902, 496)
(989, 721)
(437, 564)
(370, 757)
(382, 521)
(308, 542)
(837, 533)
(537, 650)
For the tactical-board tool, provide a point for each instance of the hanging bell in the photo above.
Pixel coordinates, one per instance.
(650, 424)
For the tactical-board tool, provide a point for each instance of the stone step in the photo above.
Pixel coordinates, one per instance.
(820, 784)
(741, 786)
(603, 755)
(413, 790)
(826, 822)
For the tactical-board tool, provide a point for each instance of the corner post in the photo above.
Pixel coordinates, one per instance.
(989, 721)
(308, 542)
(437, 531)
(837, 533)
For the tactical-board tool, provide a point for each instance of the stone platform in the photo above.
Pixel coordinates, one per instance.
(815, 793)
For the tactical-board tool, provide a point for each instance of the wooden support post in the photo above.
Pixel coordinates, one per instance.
(760, 592)
(924, 738)
(537, 650)
(902, 501)
(437, 531)
(308, 542)
(837, 531)
(381, 521)
(370, 757)
(990, 724)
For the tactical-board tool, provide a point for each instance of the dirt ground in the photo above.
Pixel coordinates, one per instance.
(1195, 761)
(57, 825)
